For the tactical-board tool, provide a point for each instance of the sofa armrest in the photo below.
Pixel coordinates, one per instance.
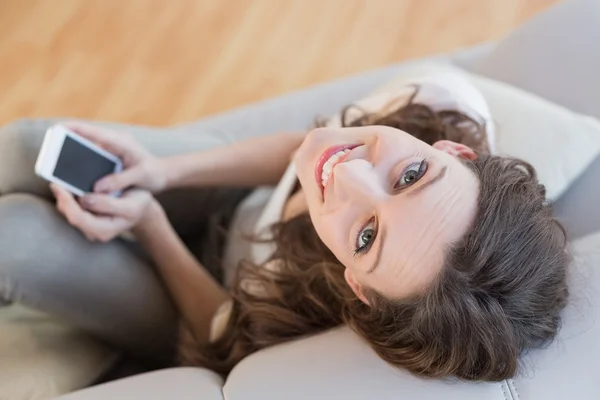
(168, 384)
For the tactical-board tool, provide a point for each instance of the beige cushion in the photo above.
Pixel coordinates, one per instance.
(41, 358)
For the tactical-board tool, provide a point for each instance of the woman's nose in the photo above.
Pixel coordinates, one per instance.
(356, 180)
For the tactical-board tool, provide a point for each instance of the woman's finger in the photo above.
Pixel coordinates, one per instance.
(109, 205)
(120, 181)
(93, 133)
(66, 203)
(114, 142)
(128, 206)
(102, 228)
(73, 212)
(95, 228)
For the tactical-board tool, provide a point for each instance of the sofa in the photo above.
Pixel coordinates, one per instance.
(337, 364)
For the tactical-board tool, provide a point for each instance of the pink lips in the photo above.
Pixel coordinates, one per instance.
(326, 156)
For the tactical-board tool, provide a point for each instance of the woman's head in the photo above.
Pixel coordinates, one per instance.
(499, 291)
(474, 273)
(458, 258)
(389, 206)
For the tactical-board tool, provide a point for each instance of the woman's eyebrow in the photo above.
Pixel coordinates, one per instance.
(438, 177)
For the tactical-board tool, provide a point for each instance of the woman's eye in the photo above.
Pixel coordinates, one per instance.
(412, 174)
(365, 238)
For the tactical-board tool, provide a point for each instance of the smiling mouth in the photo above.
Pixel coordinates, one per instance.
(328, 160)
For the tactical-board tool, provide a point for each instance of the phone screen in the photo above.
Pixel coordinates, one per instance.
(80, 166)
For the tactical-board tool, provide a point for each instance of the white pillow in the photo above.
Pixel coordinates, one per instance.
(559, 143)
(41, 358)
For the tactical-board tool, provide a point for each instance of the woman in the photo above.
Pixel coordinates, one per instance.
(446, 259)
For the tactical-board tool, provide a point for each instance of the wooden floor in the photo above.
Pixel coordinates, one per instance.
(160, 62)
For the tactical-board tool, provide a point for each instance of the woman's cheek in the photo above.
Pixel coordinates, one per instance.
(321, 226)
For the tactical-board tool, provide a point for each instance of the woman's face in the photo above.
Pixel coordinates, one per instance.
(386, 204)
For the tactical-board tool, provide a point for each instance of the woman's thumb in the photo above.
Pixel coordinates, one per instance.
(120, 181)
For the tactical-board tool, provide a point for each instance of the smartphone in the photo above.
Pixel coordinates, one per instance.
(74, 162)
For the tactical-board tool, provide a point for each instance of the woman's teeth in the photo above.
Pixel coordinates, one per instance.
(329, 164)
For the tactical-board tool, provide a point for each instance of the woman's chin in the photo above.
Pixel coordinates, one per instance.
(305, 172)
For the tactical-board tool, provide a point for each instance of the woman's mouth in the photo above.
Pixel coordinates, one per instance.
(328, 160)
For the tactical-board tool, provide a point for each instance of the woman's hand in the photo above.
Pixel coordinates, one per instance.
(101, 217)
(141, 169)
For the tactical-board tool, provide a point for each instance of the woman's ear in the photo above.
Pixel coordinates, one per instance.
(355, 286)
(455, 149)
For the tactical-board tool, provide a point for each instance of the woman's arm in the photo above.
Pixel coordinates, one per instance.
(102, 217)
(253, 162)
(195, 292)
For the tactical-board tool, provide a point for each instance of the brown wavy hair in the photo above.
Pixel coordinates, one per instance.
(500, 292)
